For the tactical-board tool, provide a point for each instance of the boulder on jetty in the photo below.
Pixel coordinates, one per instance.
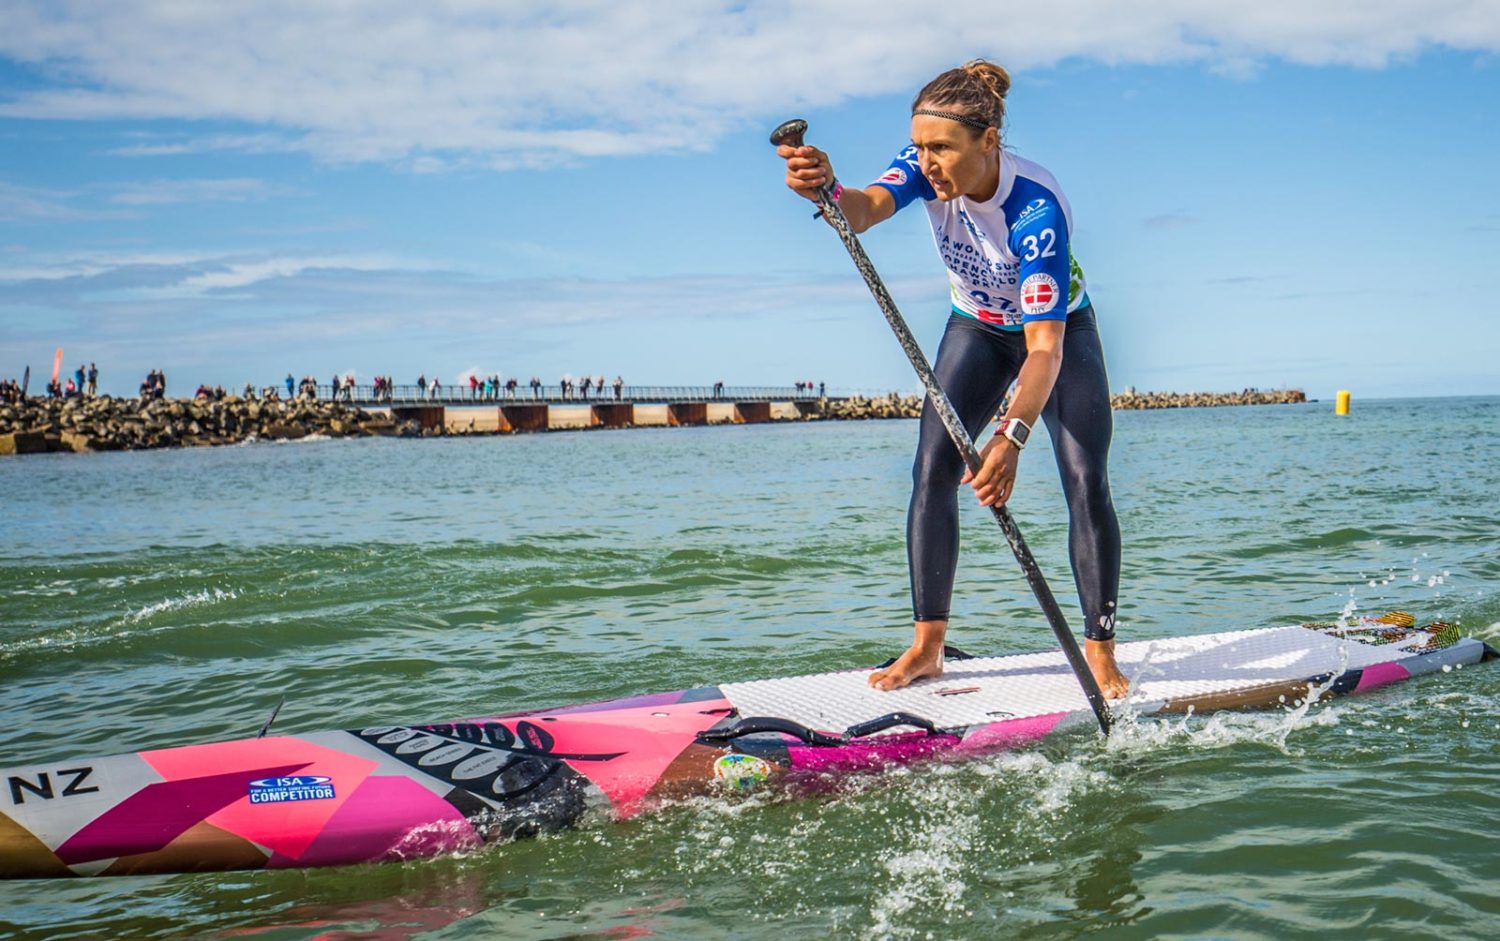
(860, 408)
(110, 424)
(1133, 399)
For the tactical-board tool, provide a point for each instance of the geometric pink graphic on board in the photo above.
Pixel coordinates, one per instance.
(288, 827)
(387, 818)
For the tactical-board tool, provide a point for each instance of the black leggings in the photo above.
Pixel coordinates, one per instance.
(975, 366)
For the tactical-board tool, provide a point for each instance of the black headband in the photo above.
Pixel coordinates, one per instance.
(965, 120)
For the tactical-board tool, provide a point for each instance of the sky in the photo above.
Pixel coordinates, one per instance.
(1267, 194)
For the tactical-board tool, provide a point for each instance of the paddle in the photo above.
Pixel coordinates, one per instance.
(791, 133)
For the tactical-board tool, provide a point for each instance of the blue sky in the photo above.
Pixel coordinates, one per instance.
(1264, 194)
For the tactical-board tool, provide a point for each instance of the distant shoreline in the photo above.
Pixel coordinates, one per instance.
(42, 425)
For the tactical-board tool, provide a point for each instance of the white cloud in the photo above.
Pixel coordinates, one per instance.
(32, 204)
(374, 293)
(37, 204)
(238, 143)
(476, 82)
(252, 313)
(162, 192)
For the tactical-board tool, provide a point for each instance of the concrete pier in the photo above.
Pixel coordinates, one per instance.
(614, 415)
(472, 420)
(515, 416)
(523, 418)
(651, 415)
(570, 417)
(426, 416)
(510, 416)
(750, 413)
(687, 413)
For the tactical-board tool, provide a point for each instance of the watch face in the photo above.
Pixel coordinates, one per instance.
(1016, 431)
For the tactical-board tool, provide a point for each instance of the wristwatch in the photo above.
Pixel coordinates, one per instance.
(1016, 430)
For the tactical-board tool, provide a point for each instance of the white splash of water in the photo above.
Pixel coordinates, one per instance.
(926, 876)
(70, 638)
(190, 600)
(1136, 734)
(52, 589)
(1489, 634)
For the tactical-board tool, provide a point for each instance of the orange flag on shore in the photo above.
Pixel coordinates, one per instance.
(56, 364)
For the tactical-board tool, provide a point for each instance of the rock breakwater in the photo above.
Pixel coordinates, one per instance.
(856, 408)
(1133, 399)
(861, 408)
(110, 424)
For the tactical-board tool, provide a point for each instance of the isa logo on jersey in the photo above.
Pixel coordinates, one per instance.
(303, 787)
(895, 176)
(1039, 293)
(1032, 209)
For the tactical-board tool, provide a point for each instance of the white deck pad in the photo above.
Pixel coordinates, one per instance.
(991, 689)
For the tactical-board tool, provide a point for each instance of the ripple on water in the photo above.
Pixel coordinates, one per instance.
(385, 581)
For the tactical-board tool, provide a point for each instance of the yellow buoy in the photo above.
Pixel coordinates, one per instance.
(1341, 402)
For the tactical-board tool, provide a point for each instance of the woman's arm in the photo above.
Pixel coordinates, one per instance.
(807, 168)
(996, 479)
(1044, 353)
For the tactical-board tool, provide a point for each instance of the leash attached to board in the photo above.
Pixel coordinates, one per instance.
(791, 134)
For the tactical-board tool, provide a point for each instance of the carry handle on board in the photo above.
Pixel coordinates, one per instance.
(890, 721)
(791, 133)
(753, 724)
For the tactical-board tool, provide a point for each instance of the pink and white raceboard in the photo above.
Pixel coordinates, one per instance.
(398, 792)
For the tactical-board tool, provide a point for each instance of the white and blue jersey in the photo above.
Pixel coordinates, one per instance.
(1009, 258)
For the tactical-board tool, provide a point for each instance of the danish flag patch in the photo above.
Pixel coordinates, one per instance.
(1038, 293)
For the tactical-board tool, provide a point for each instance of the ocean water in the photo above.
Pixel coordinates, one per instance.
(153, 599)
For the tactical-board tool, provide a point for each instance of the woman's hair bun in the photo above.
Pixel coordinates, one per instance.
(991, 75)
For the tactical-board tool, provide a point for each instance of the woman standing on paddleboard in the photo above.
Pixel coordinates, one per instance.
(1021, 312)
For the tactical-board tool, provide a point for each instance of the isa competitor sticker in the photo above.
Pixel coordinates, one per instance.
(306, 787)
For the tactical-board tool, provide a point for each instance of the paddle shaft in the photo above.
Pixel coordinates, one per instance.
(791, 133)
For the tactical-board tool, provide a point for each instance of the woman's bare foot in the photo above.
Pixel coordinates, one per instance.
(1100, 655)
(922, 659)
(917, 663)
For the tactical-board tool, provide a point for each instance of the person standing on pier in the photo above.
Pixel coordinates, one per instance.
(1020, 311)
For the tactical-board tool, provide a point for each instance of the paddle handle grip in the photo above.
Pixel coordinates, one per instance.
(789, 133)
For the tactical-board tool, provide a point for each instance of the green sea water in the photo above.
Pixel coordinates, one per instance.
(153, 599)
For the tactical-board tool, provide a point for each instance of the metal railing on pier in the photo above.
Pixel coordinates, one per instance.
(554, 395)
